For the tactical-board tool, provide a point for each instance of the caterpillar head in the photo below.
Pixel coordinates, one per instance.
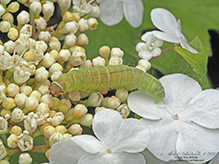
(55, 89)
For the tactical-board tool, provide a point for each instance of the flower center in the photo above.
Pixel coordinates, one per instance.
(175, 117)
(109, 150)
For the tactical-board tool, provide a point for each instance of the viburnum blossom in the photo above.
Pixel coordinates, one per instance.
(184, 125)
(82, 6)
(118, 142)
(113, 11)
(170, 28)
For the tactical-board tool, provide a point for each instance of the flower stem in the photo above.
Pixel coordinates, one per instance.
(165, 50)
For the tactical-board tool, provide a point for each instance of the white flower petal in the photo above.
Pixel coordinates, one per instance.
(143, 105)
(112, 12)
(144, 54)
(66, 152)
(140, 46)
(133, 11)
(133, 137)
(197, 143)
(156, 52)
(204, 109)
(113, 158)
(106, 124)
(179, 90)
(185, 45)
(167, 37)
(164, 20)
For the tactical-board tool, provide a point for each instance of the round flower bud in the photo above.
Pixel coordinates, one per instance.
(57, 119)
(2, 10)
(115, 61)
(86, 64)
(13, 33)
(66, 101)
(61, 129)
(41, 74)
(47, 98)
(9, 46)
(104, 52)
(5, 112)
(8, 17)
(76, 16)
(64, 55)
(45, 36)
(104, 103)
(113, 102)
(82, 40)
(20, 99)
(29, 56)
(26, 90)
(48, 131)
(35, 7)
(54, 44)
(12, 141)
(56, 103)
(56, 75)
(63, 108)
(86, 120)
(144, 65)
(13, 7)
(122, 94)
(48, 9)
(12, 89)
(83, 25)
(70, 40)
(25, 158)
(31, 103)
(75, 129)
(64, 4)
(17, 115)
(16, 130)
(95, 99)
(117, 52)
(98, 61)
(42, 45)
(67, 17)
(67, 135)
(36, 94)
(23, 18)
(79, 110)
(71, 27)
(9, 103)
(55, 137)
(5, 26)
(95, 12)
(124, 110)
(92, 22)
(74, 95)
(55, 67)
(40, 23)
(78, 57)
(48, 60)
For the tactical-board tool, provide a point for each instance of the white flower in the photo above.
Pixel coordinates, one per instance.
(150, 48)
(112, 11)
(30, 122)
(184, 125)
(82, 7)
(119, 142)
(170, 27)
(25, 142)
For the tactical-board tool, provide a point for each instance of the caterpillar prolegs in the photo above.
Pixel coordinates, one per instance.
(111, 76)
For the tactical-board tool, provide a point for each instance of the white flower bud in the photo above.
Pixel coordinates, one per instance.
(95, 12)
(92, 22)
(55, 137)
(25, 142)
(144, 65)
(27, 30)
(9, 46)
(8, 103)
(55, 75)
(66, 101)
(64, 55)
(30, 122)
(12, 89)
(43, 108)
(40, 23)
(98, 61)
(57, 119)
(79, 110)
(12, 141)
(74, 95)
(117, 52)
(104, 52)
(45, 36)
(13, 33)
(71, 27)
(83, 25)
(3, 151)
(75, 129)
(36, 94)
(35, 7)
(2, 10)
(3, 125)
(115, 61)
(5, 26)
(16, 130)
(48, 131)
(97, 109)
(31, 103)
(82, 40)
(113, 102)
(25, 158)
(47, 98)
(54, 44)
(23, 18)
(95, 99)
(48, 9)
(86, 120)
(20, 99)
(55, 67)
(26, 90)
(42, 45)
(78, 57)
(124, 110)
(122, 94)
(48, 60)
(70, 40)
(41, 74)
(64, 4)
(17, 115)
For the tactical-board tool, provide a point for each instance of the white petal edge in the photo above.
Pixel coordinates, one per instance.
(185, 45)
(166, 37)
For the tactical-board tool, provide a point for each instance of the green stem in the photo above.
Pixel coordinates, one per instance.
(165, 50)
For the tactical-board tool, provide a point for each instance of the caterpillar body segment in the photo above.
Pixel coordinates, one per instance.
(111, 76)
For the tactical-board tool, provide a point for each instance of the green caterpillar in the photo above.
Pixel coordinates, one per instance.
(111, 76)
